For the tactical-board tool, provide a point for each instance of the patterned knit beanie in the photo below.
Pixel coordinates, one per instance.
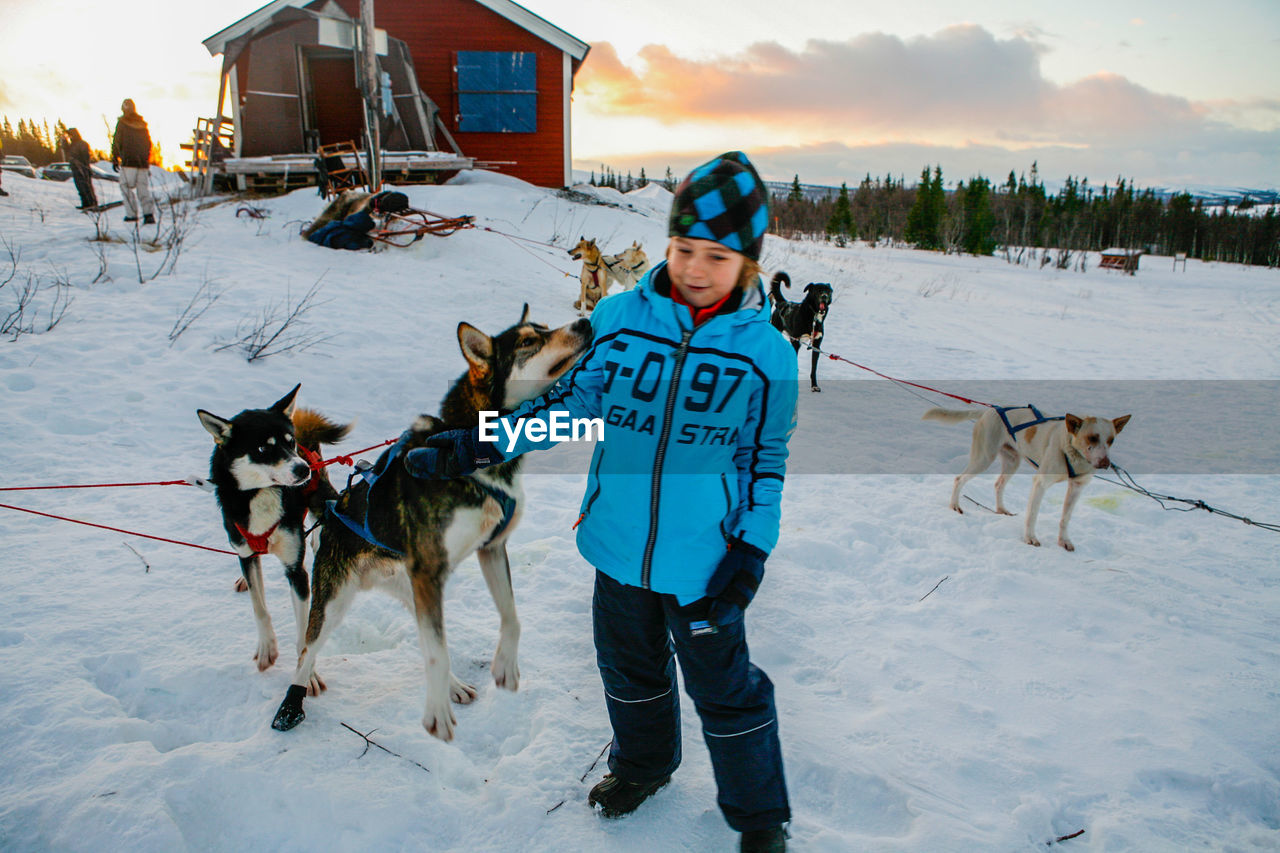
(722, 200)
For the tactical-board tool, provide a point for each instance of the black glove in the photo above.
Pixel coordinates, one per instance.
(451, 454)
(735, 581)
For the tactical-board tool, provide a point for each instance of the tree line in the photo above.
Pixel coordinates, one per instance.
(41, 144)
(978, 216)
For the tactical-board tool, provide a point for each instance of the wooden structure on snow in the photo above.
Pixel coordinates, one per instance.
(1125, 260)
(463, 82)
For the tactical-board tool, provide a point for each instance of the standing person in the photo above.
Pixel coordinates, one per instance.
(683, 497)
(131, 157)
(76, 152)
(2, 191)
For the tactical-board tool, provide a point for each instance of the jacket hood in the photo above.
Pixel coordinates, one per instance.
(134, 120)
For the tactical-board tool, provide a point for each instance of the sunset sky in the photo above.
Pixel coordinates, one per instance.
(1171, 94)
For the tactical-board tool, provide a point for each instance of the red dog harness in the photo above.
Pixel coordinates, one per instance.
(259, 544)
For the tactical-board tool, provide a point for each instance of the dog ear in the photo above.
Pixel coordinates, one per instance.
(1119, 422)
(810, 286)
(1073, 423)
(524, 315)
(477, 347)
(285, 404)
(219, 428)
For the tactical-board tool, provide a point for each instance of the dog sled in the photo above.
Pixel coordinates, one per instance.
(411, 225)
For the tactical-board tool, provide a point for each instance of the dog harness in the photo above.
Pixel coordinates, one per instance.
(261, 543)
(370, 476)
(1039, 419)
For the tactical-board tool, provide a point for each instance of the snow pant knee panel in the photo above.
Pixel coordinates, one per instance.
(637, 666)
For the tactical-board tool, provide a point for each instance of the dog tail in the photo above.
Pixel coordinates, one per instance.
(952, 416)
(779, 280)
(314, 429)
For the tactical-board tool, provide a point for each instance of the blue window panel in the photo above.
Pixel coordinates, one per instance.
(497, 71)
(497, 113)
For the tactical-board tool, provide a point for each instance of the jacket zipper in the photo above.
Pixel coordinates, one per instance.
(656, 489)
(586, 510)
(728, 505)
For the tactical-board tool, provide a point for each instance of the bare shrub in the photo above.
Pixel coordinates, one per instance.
(281, 327)
(201, 301)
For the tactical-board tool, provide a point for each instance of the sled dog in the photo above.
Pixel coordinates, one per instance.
(265, 487)
(1067, 448)
(594, 277)
(406, 534)
(801, 319)
(628, 266)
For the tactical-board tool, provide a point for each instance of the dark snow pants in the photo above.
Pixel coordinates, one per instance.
(639, 635)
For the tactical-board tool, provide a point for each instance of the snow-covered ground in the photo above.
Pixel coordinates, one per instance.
(1130, 689)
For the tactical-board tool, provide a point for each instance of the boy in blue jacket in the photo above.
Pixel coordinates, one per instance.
(698, 394)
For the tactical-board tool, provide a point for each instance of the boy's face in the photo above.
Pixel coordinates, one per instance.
(703, 271)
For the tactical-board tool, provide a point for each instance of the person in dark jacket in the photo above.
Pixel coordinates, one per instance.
(682, 507)
(347, 221)
(2, 191)
(76, 152)
(131, 157)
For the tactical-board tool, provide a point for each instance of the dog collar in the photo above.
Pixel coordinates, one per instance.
(259, 544)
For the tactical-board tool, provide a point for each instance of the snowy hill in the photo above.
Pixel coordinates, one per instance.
(941, 685)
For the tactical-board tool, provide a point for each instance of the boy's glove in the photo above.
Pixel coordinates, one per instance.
(451, 454)
(735, 581)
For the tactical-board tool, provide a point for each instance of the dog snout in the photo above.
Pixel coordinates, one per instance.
(301, 470)
(582, 326)
(1104, 462)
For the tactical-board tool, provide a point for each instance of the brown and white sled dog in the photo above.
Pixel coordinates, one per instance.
(265, 488)
(406, 534)
(1068, 448)
(594, 277)
(628, 266)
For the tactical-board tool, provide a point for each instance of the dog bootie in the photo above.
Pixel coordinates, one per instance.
(771, 840)
(617, 798)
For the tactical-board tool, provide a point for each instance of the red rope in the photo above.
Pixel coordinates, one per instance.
(120, 530)
(95, 486)
(834, 357)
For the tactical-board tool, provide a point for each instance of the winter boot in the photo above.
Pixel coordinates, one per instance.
(771, 840)
(2, 192)
(617, 798)
(131, 219)
(148, 220)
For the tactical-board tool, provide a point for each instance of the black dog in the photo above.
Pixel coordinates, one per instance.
(801, 319)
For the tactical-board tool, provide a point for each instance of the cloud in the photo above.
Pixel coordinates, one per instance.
(961, 83)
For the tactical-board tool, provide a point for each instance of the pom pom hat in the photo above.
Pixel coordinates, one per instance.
(722, 200)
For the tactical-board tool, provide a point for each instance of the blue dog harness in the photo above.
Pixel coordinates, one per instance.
(1039, 419)
(505, 501)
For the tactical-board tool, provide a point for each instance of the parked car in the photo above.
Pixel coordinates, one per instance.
(56, 172)
(18, 164)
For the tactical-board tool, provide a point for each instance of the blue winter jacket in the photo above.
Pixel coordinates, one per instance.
(695, 439)
(351, 233)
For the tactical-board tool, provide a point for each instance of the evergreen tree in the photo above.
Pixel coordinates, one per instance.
(924, 221)
(796, 194)
(979, 223)
(669, 182)
(643, 182)
(840, 224)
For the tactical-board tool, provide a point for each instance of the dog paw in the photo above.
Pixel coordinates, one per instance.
(1066, 543)
(460, 691)
(1031, 540)
(316, 685)
(1002, 511)
(266, 654)
(439, 722)
(957, 508)
(506, 674)
(241, 584)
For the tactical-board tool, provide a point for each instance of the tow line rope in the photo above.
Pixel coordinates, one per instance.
(1126, 479)
(313, 460)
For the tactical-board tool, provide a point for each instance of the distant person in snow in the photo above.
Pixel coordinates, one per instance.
(131, 157)
(76, 152)
(2, 192)
(347, 221)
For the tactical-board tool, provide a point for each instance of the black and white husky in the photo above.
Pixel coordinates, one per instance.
(406, 534)
(265, 488)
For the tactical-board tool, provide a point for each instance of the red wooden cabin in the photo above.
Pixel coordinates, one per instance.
(500, 76)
